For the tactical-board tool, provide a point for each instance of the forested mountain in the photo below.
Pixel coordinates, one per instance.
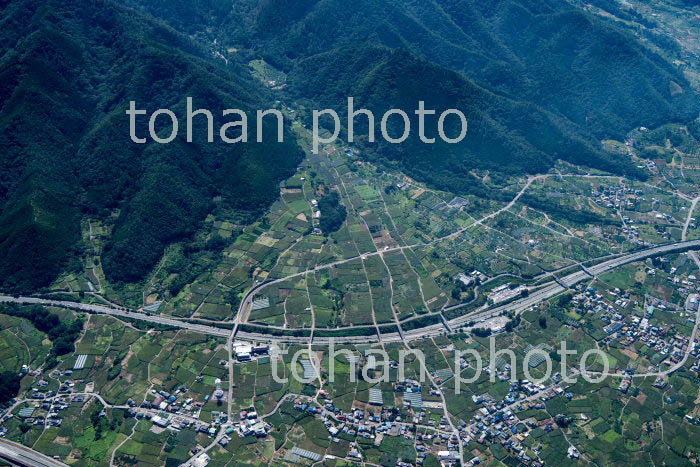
(542, 79)
(504, 135)
(545, 52)
(539, 80)
(67, 72)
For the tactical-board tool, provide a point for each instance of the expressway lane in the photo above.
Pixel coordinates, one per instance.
(22, 455)
(119, 313)
(545, 292)
(572, 279)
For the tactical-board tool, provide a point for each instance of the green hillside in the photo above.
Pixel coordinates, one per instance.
(68, 72)
(504, 135)
(548, 52)
(541, 79)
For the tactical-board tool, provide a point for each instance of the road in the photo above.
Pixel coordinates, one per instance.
(690, 218)
(546, 292)
(8, 448)
(120, 313)
(686, 226)
(222, 432)
(22, 455)
(245, 307)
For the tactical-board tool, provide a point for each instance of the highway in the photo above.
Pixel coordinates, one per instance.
(554, 288)
(544, 293)
(22, 455)
(120, 313)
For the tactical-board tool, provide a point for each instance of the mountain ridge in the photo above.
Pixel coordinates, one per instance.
(69, 72)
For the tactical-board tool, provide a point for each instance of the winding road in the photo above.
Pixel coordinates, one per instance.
(545, 292)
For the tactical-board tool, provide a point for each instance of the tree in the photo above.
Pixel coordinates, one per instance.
(9, 385)
(333, 213)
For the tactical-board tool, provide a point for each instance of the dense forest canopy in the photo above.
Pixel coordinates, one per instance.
(539, 80)
(547, 52)
(504, 135)
(542, 79)
(332, 213)
(9, 385)
(68, 71)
